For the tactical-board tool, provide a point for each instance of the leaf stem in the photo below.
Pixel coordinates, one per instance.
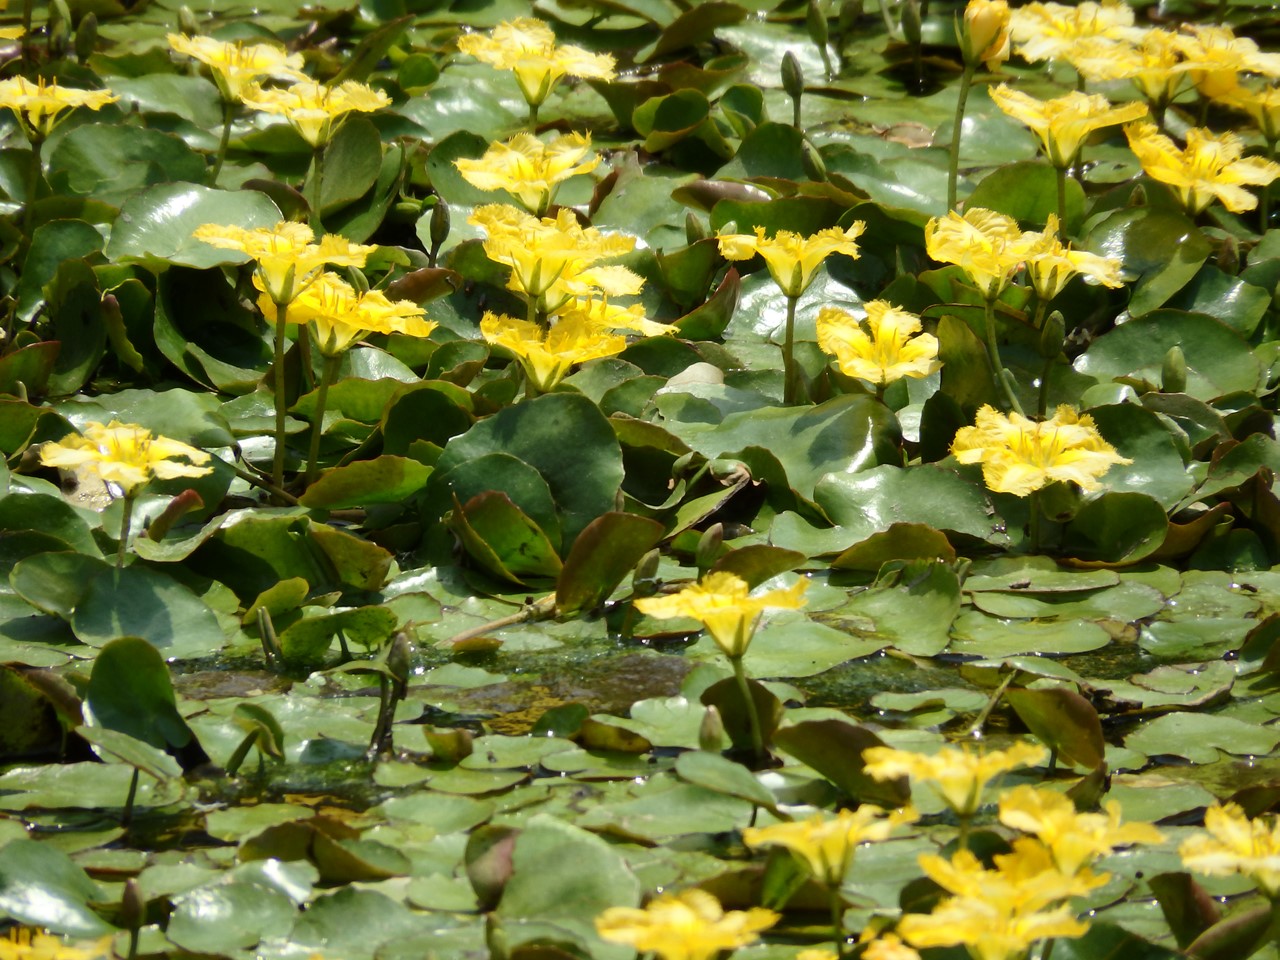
(953, 163)
(1060, 174)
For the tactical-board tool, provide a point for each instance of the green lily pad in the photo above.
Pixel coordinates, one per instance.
(137, 602)
(40, 886)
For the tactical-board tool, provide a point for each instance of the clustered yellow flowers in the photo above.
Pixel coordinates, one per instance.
(235, 64)
(1210, 167)
(313, 109)
(547, 355)
(1235, 844)
(528, 48)
(530, 170)
(1019, 456)
(125, 455)
(892, 346)
(722, 603)
(1063, 123)
(689, 925)
(41, 105)
(1051, 31)
(826, 845)
(287, 260)
(340, 316)
(959, 775)
(792, 259)
(998, 913)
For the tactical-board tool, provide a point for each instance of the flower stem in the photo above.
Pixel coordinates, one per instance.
(327, 375)
(33, 187)
(126, 521)
(993, 354)
(277, 468)
(837, 921)
(228, 110)
(953, 164)
(533, 118)
(1264, 206)
(753, 715)
(789, 377)
(1060, 174)
(315, 183)
(1033, 522)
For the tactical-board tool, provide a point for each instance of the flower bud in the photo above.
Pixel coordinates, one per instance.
(911, 25)
(1173, 372)
(984, 37)
(86, 36)
(711, 735)
(709, 545)
(1052, 335)
(792, 76)
(694, 229)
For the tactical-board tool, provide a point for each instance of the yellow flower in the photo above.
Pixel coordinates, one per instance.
(894, 349)
(1236, 844)
(32, 945)
(826, 845)
(313, 109)
(1064, 123)
(237, 64)
(553, 259)
(958, 774)
(529, 169)
(720, 602)
(341, 316)
(1019, 456)
(41, 106)
(690, 925)
(985, 244)
(1151, 60)
(124, 454)
(601, 313)
(1074, 840)
(548, 355)
(11, 33)
(886, 947)
(1262, 105)
(528, 47)
(998, 914)
(1046, 31)
(288, 261)
(791, 258)
(1215, 57)
(1209, 167)
(984, 36)
(1050, 263)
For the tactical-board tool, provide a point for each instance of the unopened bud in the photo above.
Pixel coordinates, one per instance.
(708, 549)
(711, 731)
(792, 76)
(850, 12)
(694, 229)
(814, 166)
(984, 36)
(133, 905)
(1052, 335)
(188, 25)
(400, 658)
(86, 36)
(1173, 372)
(644, 580)
(439, 223)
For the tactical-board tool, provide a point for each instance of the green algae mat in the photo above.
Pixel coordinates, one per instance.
(639, 478)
